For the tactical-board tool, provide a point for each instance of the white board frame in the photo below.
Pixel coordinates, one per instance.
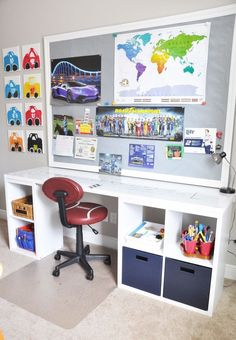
(176, 19)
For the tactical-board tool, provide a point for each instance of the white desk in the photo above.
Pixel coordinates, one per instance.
(176, 201)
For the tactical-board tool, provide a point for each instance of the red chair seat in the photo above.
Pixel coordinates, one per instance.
(86, 213)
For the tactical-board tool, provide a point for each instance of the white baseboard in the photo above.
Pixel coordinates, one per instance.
(230, 271)
(3, 214)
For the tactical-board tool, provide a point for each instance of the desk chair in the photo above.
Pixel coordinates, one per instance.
(74, 214)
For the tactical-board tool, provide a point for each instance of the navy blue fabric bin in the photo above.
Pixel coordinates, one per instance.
(187, 283)
(142, 270)
(25, 237)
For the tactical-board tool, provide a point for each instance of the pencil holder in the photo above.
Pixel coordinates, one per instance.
(206, 248)
(190, 246)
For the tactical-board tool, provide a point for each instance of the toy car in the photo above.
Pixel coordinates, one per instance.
(12, 90)
(16, 142)
(14, 116)
(33, 116)
(11, 62)
(35, 143)
(74, 91)
(31, 88)
(31, 60)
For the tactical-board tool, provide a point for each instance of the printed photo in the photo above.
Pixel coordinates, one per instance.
(110, 163)
(84, 127)
(63, 125)
(76, 79)
(161, 123)
(200, 140)
(174, 151)
(141, 155)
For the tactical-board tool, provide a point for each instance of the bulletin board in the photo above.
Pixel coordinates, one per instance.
(138, 154)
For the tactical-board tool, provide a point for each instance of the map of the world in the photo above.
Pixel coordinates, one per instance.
(162, 65)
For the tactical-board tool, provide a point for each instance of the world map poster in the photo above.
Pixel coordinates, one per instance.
(162, 66)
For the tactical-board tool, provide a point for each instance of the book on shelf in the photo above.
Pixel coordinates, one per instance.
(148, 232)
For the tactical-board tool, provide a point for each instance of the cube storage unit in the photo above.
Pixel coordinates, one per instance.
(142, 270)
(187, 283)
(26, 205)
(167, 273)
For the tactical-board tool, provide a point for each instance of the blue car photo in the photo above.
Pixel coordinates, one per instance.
(11, 62)
(74, 91)
(12, 90)
(14, 116)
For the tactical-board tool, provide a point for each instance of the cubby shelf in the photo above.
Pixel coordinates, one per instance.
(47, 237)
(177, 254)
(22, 218)
(188, 270)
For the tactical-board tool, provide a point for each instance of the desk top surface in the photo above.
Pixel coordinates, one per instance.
(140, 191)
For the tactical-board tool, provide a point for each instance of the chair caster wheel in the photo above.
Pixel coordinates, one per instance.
(56, 272)
(87, 250)
(107, 261)
(89, 276)
(57, 257)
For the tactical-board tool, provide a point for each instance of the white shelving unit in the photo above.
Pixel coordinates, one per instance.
(190, 268)
(164, 274)
(48, 233)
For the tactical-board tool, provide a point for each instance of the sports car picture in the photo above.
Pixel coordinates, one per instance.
(76, 79)
(74, 91)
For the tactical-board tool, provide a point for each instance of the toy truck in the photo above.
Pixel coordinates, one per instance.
(31, 88)
(16, 142)
(33, 116)
(31, 60)
(14, 116)
(11, 62)
(12, 90)
(35, 143)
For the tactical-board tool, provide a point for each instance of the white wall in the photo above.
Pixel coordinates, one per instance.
(25, 22)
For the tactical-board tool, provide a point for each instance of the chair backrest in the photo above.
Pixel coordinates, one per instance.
(73, 190)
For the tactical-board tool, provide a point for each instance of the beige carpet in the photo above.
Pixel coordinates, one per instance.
(63, 300)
